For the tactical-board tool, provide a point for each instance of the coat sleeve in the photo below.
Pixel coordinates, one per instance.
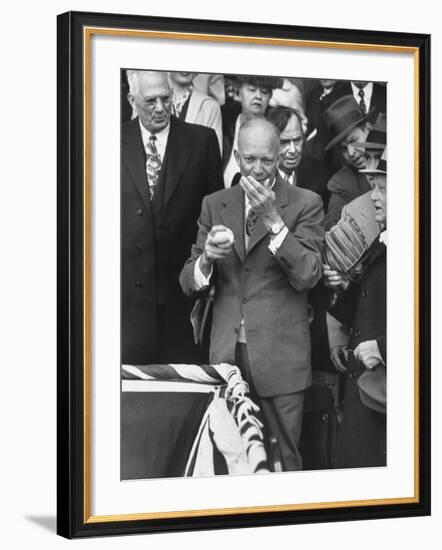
(187, 278)
(300, 254)
(338, 199)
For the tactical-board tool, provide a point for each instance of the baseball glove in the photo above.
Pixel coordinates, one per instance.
(345, 247)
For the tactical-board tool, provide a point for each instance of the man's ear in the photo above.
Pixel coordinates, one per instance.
(131, 100)
(236, 155)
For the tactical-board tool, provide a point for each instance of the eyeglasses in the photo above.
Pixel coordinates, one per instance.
(151, 103)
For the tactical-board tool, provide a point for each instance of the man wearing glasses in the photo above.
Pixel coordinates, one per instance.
(167, 167)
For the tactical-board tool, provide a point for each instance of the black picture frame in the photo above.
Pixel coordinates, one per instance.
(73, 514)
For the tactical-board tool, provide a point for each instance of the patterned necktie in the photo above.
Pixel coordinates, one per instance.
(153, 165)
(250, 222)
(362, 105)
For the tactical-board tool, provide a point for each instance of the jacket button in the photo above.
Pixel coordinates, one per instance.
(138, 248)
(139, 284)
(236, 330)
(244, 300)
(357, 332)
(139, 212)
(364, 293)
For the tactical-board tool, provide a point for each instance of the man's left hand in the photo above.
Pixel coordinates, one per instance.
(262, 200)
(368, 353)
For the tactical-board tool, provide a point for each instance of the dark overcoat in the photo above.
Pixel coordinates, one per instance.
(362, 438)
(156, 237)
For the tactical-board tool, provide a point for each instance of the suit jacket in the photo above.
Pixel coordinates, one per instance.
(156, 237)
(205, 110)
(346, 185)
(270, 293)
(378, 103)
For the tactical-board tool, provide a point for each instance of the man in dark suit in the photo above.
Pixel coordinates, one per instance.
(362, 306)
(348, 130)
(259, 243)
(167, 167)
(295, 165)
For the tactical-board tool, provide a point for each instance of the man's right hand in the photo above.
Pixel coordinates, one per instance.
(218, 245)
(333, 279)
(339, 357)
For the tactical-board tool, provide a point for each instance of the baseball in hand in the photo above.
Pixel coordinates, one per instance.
(223, 235)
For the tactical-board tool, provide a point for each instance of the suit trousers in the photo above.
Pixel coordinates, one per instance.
(282, 415)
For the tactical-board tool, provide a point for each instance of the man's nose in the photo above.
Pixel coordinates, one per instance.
(292, 147)
(159, 106)
(257, 167)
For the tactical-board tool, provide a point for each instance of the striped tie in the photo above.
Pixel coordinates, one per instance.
(153, 165)
(250, 221)
(362, 104)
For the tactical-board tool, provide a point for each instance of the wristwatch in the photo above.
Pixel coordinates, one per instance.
(276, 228)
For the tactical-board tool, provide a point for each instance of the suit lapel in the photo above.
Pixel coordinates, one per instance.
(232, 216)
(260, 230)
(135, 156)
(178, 152)
(376, 250)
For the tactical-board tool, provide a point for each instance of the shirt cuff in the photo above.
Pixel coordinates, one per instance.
(277, 240)
(200, 280)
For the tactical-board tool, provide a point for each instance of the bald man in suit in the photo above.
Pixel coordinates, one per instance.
(259, 244)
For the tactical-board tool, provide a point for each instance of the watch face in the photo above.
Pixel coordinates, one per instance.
(275, 228)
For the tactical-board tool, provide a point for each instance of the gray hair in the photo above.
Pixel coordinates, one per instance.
(133, 79)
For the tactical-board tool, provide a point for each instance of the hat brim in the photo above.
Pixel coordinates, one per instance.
(374, 171)
(338, 137)
(372, 145)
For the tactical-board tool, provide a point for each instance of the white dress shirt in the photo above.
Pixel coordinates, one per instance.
(161, 141)
(292, 179)
(368, 92)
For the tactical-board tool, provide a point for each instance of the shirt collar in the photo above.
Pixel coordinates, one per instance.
(161, 136)
(368, 91)
(383, 237)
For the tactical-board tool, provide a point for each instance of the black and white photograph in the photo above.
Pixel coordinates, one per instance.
(253, 274)
(228, 297)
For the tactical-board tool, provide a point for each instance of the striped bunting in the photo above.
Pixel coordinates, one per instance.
(236, 428)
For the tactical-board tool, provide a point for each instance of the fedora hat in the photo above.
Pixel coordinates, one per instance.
(381, 168)
(377, 137)
(341, 117)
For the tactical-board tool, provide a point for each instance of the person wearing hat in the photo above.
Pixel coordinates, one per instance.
(254, 94)
(362, 212)
(362, 306)
(349, 128)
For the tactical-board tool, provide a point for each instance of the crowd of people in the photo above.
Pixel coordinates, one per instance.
(264, 198)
